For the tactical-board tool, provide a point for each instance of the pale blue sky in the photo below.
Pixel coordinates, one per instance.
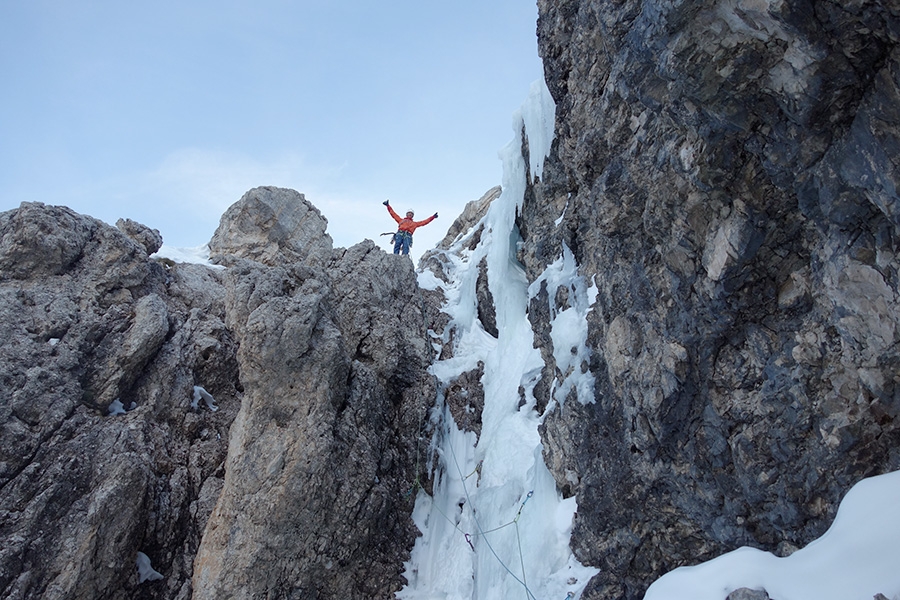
(167, 112)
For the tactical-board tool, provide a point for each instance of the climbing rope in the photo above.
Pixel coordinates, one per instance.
(417, 484)
(483, 532)
(476, 469)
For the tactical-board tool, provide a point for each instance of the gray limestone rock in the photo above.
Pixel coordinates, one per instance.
(472, 213)
(101, 455)
(748, 594)
(41, 240)
(323, 453)
(299, 475)
(272, 226)
(150, 239)
(465, 398)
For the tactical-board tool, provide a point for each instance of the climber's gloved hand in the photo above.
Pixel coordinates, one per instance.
(386, 202)
(435, 215)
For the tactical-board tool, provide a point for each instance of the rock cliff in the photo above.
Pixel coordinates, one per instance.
(322, 454)
(725, 173)
(103, 455)
(294, 463)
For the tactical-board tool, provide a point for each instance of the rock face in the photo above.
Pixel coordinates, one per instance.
(92, 327)
(323, 452)
(315, 359)
(472, 213)
(727, 172)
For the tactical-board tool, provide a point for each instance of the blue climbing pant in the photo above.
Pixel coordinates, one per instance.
(402, 242)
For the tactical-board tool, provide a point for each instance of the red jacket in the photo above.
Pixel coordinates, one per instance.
(408, 225)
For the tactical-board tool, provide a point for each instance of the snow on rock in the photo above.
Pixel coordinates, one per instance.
(115, 408)
(855, 558)
(195, 255)
(145, 569)
(200, 393)
(568, 326)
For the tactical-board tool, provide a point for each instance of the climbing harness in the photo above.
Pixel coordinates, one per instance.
(401, 235)
(398, 236)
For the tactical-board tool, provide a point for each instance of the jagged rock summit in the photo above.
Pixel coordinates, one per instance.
(271, 226)
(314, 360)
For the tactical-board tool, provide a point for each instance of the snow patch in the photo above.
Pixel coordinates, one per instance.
(145, 569)
(200, 393)
(197, 255)
(563, 215)
(115, 408)
(855, 558)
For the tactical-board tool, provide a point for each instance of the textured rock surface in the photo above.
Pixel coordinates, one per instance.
(748, 594)
(727, 170)
(271, 225)
(87, 319)
(323, 451)
(472, 213)
(315, 358)
(150, 239)
(465, 397)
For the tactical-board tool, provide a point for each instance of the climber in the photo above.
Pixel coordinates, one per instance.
(406, 227)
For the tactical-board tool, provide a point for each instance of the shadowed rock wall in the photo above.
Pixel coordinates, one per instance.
(726, 173)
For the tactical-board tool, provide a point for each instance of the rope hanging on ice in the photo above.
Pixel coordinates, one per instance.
(417, 485)
(482, 532)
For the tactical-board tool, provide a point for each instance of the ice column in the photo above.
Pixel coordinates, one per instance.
(496, 526)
